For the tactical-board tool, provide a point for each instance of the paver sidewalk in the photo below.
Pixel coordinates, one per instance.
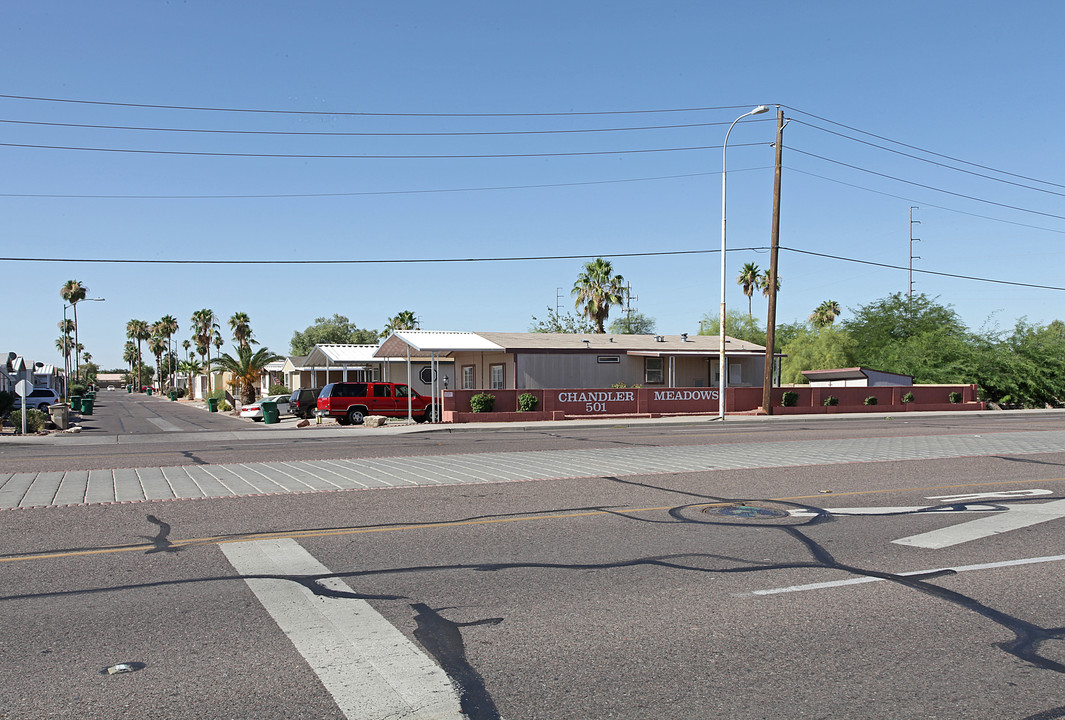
(26, 490)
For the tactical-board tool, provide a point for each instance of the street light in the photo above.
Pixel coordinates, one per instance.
(66, 356)
(721, 323)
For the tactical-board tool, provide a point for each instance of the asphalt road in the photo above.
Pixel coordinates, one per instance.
(719, 594)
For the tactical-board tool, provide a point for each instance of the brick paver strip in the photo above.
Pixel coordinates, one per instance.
(194, 481)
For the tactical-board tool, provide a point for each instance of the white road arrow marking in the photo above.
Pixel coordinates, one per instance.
(1015, 518)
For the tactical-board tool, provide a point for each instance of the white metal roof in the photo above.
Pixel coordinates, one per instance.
(328, 355)
(423, 343)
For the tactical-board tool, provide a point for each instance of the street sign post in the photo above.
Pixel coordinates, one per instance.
(23, 389)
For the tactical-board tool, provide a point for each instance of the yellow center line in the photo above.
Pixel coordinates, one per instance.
(340, 532)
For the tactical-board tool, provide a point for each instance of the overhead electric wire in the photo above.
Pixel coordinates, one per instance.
(792, 148)
(923, 203)
(924, 272)
(363, 114)
(86, 126)
(374, 192)
(415, 261)
(928, 152)
(931, 162)
(298, 156)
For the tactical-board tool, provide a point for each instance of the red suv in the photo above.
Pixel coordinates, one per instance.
(350, 402)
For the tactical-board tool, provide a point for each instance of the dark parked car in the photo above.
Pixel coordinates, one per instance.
(303, 402)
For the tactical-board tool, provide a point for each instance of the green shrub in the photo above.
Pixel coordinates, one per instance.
(954, 397)
(789, 399)
(79, 389)
(278, 389)
(483, 402)
(223, 406)
(831, 401)
(908, 397)
(871, 400)
(35, 420)
(527, 402)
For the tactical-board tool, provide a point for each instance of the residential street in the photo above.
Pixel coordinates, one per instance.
(826, 568)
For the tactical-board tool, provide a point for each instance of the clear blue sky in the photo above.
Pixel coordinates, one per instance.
(973, 81)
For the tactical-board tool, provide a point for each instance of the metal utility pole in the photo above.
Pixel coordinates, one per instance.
(629, 297)
(909, 292)
(771, 319)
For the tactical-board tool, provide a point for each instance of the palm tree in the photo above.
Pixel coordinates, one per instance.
(404, 320)
(129, 355)
(74, 292)
(138, 330)
(763, 283)
(64, 345)
(191, 368)
(748, 278)
(240, 324)
(67, 328)
(186, 344)
(825, 314)
(168, 325)
(157, 346)
(204, 323)
(246, 368)
(596, 290)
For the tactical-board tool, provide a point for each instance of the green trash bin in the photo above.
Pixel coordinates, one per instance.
(129, 389)
(75, 403)
(149, 391)
(270, 413)
(173, 395)
(212, 404)
(86, 406)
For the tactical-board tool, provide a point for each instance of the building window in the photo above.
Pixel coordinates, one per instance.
(497, 377)
(605, 359)
(467, 377)
(652, 371)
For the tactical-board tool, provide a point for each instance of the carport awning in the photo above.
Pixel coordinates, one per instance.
(427, 343)
(341, 355)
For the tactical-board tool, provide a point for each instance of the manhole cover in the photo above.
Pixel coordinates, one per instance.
(752, 512)
(747, 512)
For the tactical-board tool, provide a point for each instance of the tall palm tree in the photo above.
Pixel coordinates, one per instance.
(138, 330)
(157, 346)
(168, 325)
(404, 320)
(186, 344)
(240, 324)
(748, 279)
(763, 283)
(246, 368)
(825, 314)
(129, 355)
(67, 328)
(204, 323)
(74, 292)
(64, 345)
(596, 289)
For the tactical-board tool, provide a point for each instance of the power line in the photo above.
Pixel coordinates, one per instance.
(926, 272)
(530, 258)
(924, 204)
(277, 196)
(932, 162)
(372, 157)
(929, 152)
(363, 114)
(926, 187)
(145, 128)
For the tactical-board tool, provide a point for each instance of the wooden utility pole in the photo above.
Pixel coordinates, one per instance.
(771, 319)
